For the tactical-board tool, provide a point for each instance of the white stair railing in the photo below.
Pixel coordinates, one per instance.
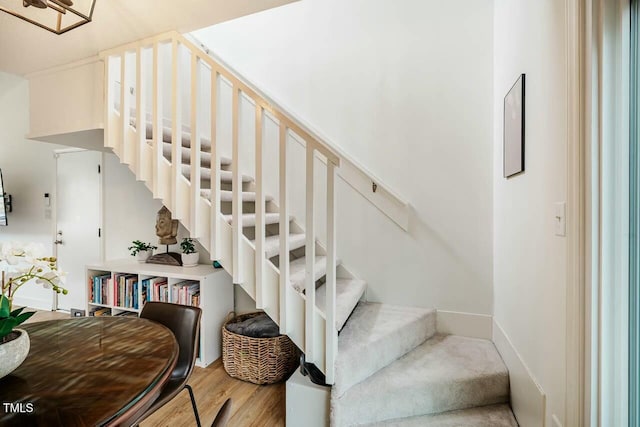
(136, 94)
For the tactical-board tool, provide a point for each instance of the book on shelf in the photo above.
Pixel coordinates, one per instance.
(153, 288)
(187, 293)
(98, 288)
(125, 290)
(100, 311)
(127, 314)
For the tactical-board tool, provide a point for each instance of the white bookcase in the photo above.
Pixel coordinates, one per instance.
(216, 296)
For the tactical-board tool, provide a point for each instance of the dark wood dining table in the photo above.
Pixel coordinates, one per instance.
(89, 371)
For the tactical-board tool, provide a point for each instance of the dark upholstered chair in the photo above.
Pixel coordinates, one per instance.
(184, 322)
(224, 413)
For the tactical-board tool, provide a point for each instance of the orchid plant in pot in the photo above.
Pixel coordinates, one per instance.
(20, 266)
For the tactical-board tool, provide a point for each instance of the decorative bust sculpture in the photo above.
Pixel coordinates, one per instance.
(166, 228)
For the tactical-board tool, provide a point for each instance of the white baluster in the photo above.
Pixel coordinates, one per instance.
(124, 109)
(108, 111)
(215, 169)
(195, 146)
(330, 310)
(141, 114)
(284, 231)
(310, 255)
(236, 187)
(158, 188)
(260, 231)
(176, 134)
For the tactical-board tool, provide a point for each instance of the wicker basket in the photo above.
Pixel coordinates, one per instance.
(257, 360)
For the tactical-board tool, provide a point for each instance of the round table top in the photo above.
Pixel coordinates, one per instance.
(87, 371)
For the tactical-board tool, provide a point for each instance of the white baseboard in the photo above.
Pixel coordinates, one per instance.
(465, 324)
(40, 304)
(528, 400)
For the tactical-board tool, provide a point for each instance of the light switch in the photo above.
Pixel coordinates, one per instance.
(560, 218)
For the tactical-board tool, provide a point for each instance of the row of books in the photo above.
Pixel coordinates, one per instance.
(121, 290)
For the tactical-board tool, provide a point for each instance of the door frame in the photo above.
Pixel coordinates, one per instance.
(54, 206)
(576, 186)
(577, 355)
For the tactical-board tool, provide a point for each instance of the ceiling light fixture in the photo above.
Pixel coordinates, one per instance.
(57, 16)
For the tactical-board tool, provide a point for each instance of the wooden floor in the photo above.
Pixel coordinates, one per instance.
(253, 405)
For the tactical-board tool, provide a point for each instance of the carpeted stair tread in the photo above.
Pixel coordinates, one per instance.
(481, 416)
(348, 293)
(375, 336)
(226, 195)
(167, 133)
(205, 158)
(445, 373)
(297, 271)
(205, 143)
(249, 219)
(205, 174)
(272, 243)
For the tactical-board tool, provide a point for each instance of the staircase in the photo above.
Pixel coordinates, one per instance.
(388, 366)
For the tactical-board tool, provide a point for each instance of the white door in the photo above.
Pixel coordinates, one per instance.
(77, 221)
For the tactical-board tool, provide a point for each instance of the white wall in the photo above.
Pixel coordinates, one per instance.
(130, 213)
(129, 210)
(406, 91)
(84, 109)
(28, 169)
(529, 261)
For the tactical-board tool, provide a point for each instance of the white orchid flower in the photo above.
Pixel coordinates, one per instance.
(23, 263)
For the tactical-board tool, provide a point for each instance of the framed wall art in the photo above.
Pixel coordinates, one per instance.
(513, 151)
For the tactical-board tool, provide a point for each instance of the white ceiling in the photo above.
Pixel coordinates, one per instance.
(25, 48)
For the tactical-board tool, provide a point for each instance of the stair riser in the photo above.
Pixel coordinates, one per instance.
(483, 416)
(413, 401)
(348, 293)
(205, 158)
(251, 221)
(226, 196)
(205, 176)
(205, 144)
(295, 242)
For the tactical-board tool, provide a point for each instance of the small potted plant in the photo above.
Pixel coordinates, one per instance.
(189, 254)
(142, 251)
